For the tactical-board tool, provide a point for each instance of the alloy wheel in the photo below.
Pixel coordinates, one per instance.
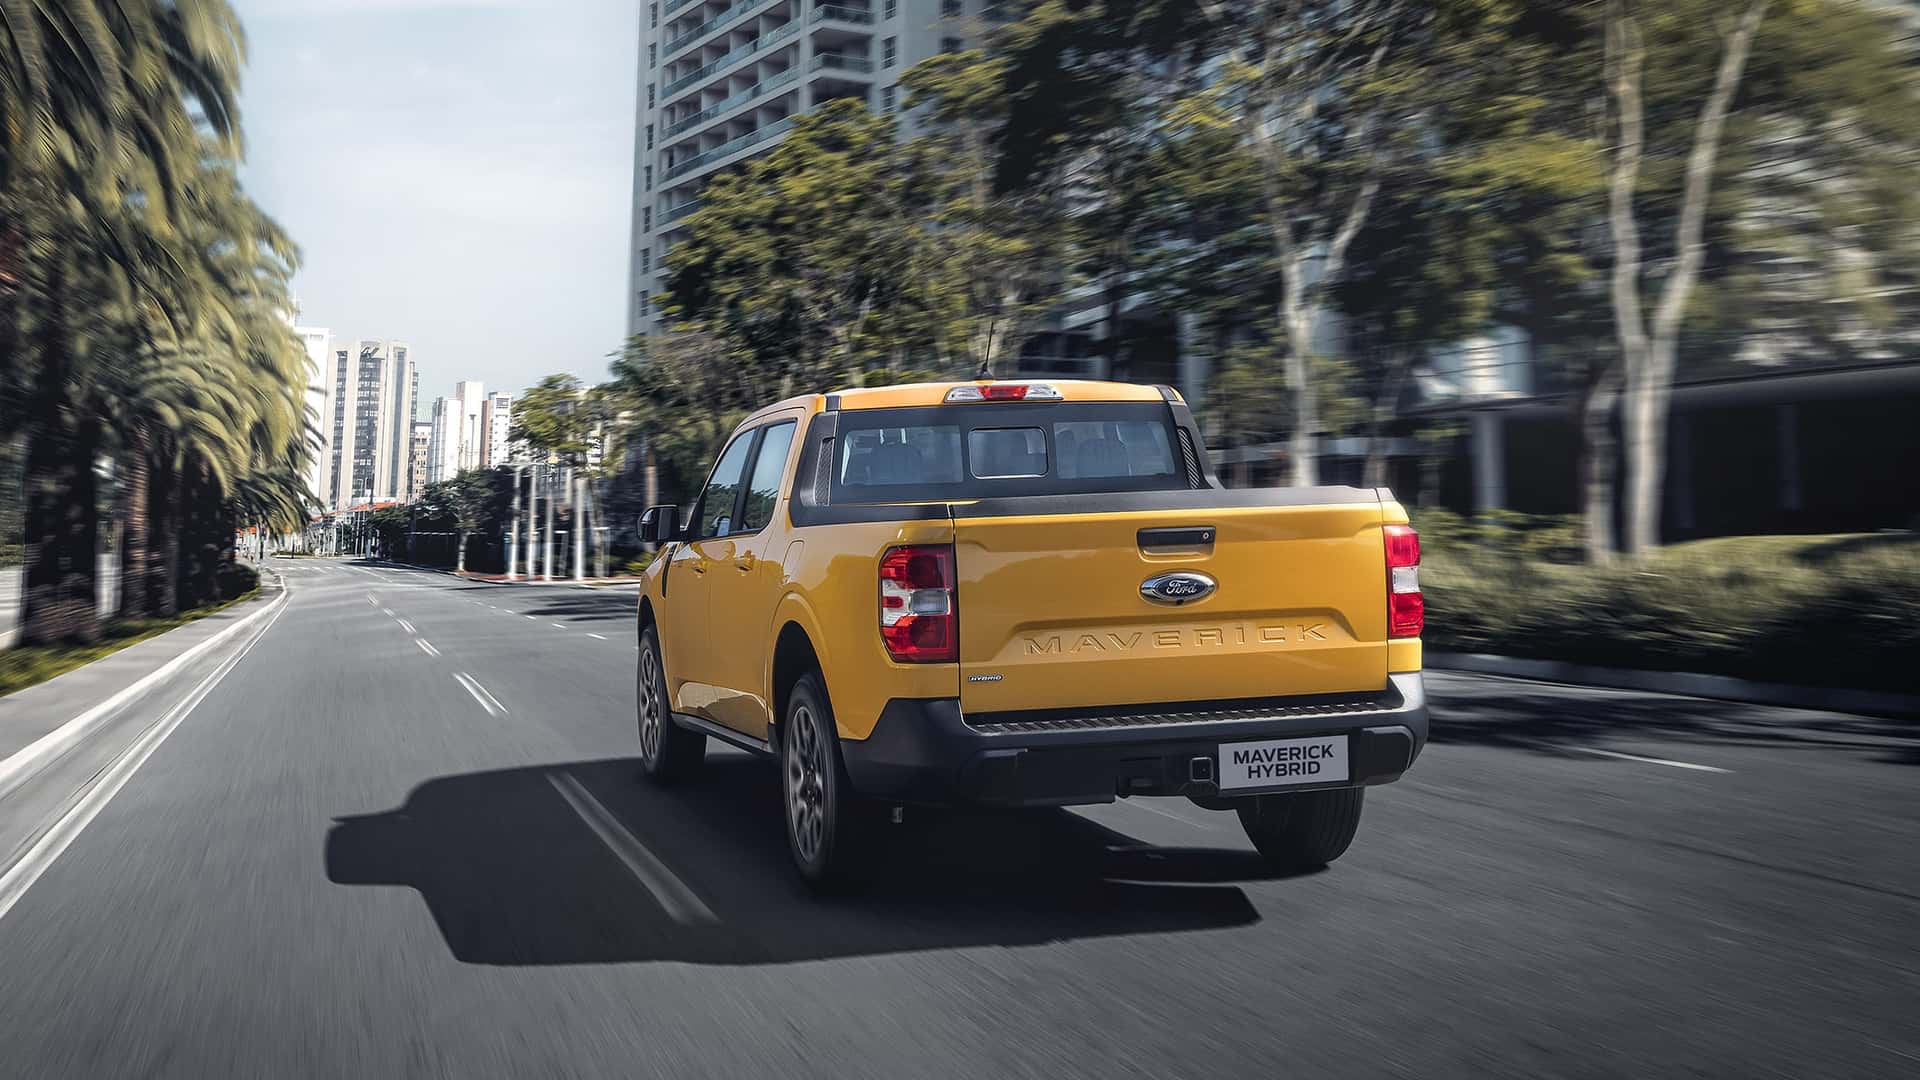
(806, 791)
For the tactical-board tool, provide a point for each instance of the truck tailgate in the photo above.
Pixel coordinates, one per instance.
(1053, 612)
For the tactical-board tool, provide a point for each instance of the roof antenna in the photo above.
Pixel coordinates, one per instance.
(985, 374)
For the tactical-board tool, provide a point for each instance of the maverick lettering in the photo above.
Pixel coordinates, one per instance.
(1276, 762)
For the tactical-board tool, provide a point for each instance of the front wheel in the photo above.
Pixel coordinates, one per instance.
(821, 807)
(1305, 829)
(668, 752)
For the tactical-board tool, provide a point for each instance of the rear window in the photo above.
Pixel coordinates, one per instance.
(959, 452)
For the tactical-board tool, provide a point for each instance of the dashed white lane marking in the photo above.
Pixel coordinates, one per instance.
(52, 843)
(602, 637)
(372, 601)
(556, 626)
(680, 903)
(407, 626)
(426, 646)
(387, 611)
(487, 701)
(529, 616)
(1652, 760)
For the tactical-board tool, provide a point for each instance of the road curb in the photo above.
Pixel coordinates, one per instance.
(27, 761)
(1718, 687)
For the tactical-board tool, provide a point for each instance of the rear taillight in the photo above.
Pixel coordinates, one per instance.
(918, 618)
(1406, 610)
(1005, 392)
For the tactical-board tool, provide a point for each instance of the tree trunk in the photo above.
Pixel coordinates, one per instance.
(163, 557)
(1594, 418)
(1648, 354)
(136, 484)
(1298, 323)
(59, 594)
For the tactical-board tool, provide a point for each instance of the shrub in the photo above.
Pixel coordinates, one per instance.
(1819, 611)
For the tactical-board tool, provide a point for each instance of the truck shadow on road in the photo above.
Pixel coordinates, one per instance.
(513, 874)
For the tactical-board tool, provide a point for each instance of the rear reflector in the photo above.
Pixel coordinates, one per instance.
(1005, 392)
(918, 620)
(1406, 608)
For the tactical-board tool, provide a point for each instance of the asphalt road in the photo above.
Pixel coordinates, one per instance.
(361, 855)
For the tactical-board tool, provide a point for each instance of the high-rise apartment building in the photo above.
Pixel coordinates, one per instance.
(459, 435)
(375, 386)
(720, 81)
(417, 461)
(496, 419)
(318, 343)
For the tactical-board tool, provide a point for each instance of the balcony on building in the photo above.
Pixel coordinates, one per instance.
(701, 75)
(729, 139)
(770, 73)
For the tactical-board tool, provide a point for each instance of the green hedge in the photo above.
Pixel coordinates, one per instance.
(1811, 610)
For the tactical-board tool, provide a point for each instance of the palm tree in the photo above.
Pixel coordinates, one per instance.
(143, 293)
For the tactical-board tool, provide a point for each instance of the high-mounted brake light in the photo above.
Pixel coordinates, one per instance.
(918, 618)
(1406, 608)
(1005, 392)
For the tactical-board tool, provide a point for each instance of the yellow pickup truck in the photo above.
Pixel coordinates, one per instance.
(1028, 594)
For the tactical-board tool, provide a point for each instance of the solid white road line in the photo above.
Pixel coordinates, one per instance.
(407, 626)
(1652, 760)
(600, 636)
(27, 760)
(426, 646)
(52, 843)
(681, 904)
(487, 701)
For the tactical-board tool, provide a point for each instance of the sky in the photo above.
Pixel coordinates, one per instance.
(457, 174)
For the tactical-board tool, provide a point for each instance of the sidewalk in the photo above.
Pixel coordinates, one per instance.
(37, 724)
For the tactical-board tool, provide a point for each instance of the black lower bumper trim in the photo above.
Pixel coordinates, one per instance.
(924, 751)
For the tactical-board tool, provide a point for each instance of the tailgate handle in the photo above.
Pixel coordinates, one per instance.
(1185, 537)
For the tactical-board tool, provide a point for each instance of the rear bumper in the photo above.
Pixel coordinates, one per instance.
(926, 751)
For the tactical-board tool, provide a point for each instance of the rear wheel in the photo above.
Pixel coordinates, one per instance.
(822, 811)
(668, 752)
(1305, 829)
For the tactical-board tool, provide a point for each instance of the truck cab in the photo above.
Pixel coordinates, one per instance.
(1028, 594)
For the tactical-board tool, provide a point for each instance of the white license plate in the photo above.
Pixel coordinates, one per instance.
(1283, 762)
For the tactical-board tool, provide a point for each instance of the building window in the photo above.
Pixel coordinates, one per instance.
(950, 44)
(892, 9)
(653, 14)
(649, 184)
(649, 136)
(889, 49)
(645, 307)
(886, 99)
(649, 95)
(653, 54)
(950, 8)
(646, 260)
(646, 219)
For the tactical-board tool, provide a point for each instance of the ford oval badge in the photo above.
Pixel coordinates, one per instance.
(1180, 587)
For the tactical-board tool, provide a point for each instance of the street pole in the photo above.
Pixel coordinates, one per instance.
(533, 516)
(579, 529)
(513, 527)
(546, 541)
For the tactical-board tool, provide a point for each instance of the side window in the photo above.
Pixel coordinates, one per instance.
(763, 489)
(716, 502)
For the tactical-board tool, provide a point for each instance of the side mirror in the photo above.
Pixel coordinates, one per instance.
(660, 524)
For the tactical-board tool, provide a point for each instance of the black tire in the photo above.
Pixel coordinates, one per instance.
(1302, 830)
(668, 752)
(826, 832)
